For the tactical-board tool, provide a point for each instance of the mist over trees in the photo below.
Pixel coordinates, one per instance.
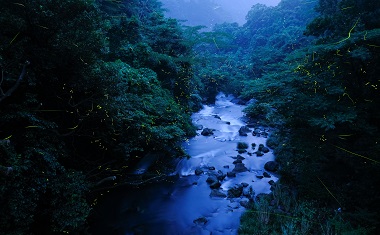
(211, 12)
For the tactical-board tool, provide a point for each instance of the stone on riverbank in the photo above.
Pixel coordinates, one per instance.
(271, 166)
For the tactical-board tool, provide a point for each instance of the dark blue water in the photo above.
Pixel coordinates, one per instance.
(172, 206)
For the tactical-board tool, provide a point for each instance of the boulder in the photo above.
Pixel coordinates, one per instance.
(259, 176)
(271, 166)
(266, 175)
(207, 132)
(239, 167)
(215, 185)
(226, 166)
(265, 150)
(244, 130)
(211, 168)
(237, 161)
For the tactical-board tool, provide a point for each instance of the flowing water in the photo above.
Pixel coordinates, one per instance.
(173, 206)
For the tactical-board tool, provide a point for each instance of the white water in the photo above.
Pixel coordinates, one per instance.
(171, 207)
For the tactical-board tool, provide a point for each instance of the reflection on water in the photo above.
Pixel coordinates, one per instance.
(172, 206)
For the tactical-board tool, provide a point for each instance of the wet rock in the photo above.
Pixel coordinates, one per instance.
(200, 221)
(217, 193)
(217, 117)
(266, 175)
(242, 151)
(253, 145)
(244, 130)
(271, 166)
(244, 184)
(198, 171)
(240, 157)
(207, 132)
(271, 182)
(231, 174)
(212, 179)
(228, 123)
(211, 168)
(237, 161)
(256, 132)
(215, 185)
(239, 167)
(259, 153)
(226, 166)
(221, 175)
(259, 176)
(263, 149)
(236, 191)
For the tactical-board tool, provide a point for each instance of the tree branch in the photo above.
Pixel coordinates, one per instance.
(15, 86)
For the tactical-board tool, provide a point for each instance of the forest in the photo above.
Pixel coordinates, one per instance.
(89, 87)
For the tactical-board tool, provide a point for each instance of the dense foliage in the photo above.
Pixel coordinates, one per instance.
(105, 83)
(322, 96)
(314, 76)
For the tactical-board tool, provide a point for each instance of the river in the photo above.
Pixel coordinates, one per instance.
(183, 205)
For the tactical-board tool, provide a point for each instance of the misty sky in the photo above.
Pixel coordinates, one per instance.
(208, 13)
(238, 9)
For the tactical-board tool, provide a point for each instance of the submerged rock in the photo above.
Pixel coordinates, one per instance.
(200, 221)
(217, 193)
(207, 132)
(198, 171)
